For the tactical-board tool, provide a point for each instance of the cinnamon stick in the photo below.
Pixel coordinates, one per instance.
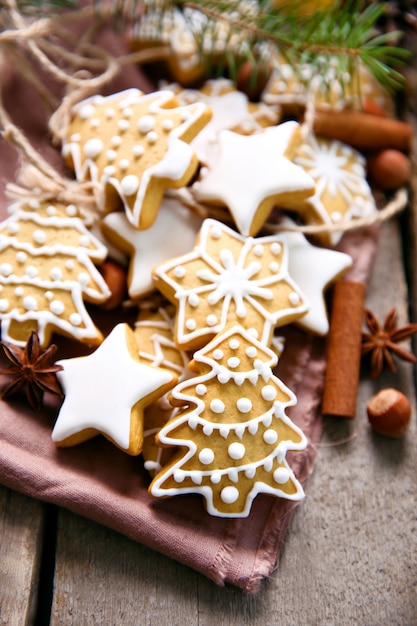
(363, 131)
(344, 349)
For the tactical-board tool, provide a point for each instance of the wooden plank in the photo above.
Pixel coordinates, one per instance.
(21, 532)
(350, 555)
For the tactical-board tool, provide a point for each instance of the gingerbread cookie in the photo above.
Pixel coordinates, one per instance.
(155, 339)
(134, 146)
(231, 110)
(106, 392)
(146, 249)
(228, 277)
(342, 191)
(255, 173)
(47, 271)
(233, 435)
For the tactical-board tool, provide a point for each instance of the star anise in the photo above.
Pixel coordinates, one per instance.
(381, 341)
(31, 371)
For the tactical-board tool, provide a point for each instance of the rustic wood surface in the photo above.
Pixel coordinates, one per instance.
(350, 556)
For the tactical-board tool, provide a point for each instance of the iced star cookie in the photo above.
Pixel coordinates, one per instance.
(155, 340)
(47, 272)
(342, 191)
(106, 393)
(229, 277)
(255, 173)
(233, 434)
(231, 110)
(173, 232)
(134, 146)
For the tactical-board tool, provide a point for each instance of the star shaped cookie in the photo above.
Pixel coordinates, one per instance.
(255, 173)
(228, 277)
(134, 146)
(106, 393)
(147, 248)
(314, 269)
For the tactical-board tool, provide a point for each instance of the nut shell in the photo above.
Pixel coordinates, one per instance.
(389, 413)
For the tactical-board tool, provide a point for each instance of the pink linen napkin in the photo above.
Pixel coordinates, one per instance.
(98, 481)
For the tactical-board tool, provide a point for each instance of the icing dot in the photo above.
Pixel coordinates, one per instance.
(206, 456)
(83, 278)
(49, 295)
(18, 292)
(229, 495)
(251, 352)
(50, 210)
(270, 436)
(233, 362)
(56, 273)
(129, 184)
(70, 210)
(193, 299)
(216, 232)
(253, 332)
(191, 324)
(185, 115)
(217, 406)
(30, 304)
(6, 269)
(138, 150)
(274, 267)
(124, 164)
(122, 125)
(75, 137)
(109, 170)
(86, 111)
(95, 122)
(93, 147)
(294, 298)
(179, 476)
(21, 257)
(83, 240)
(218, 354)
(258, 250)
(281, 475)
(115, 141)
(234, 344)
(152, 137)
(276, 248)
(34, 204)
(167, 124)
(109, 113)
(75, 319)
(215, 477)
(39, 236)
(4, 304)
(57, 307)
(201, 389)
(127, 112)
(211, 320)
(236, 450)
(244, 405)
(69, 264)
(13, 228)
(336, 217)
(179, 271)
(31, 271)
(269, 393)
(111, 155)
(146, 123)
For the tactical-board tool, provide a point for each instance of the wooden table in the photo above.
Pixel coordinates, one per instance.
(350, 556)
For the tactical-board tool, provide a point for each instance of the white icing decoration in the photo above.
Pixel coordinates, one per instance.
(244, 405)
(116, 141)
(146, 123)
(138, 150)
(234, 344)
(4, 304)
(269, 393)
(111, 155)
(6, 269)
(124, 164)
(57, 307)
(281, 475)
(152, 137)
(236, 451)
(229, 495)
(201, 389)
(129, 184)
(270, 436)
(191, 324)
(206, 456)
(31, 271)
(211, 320)
(93, 148)
(217, 406)
(179, 271)
(75, 319)
(30, 303)
(123, 125)
(21, 257)
(218, 354)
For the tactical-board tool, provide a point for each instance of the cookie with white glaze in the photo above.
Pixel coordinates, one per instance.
(233, 434)
(229, 277)
(105, 393)
(134, 146)
(47, 273)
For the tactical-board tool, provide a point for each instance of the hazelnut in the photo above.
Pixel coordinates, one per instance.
(115, 277)
(389, 413)
(389, 169)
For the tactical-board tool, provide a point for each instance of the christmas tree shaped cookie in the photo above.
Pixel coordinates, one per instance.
(233, 435)
(46, 273)
(156, 346)
(134, 146)
(230, 277)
